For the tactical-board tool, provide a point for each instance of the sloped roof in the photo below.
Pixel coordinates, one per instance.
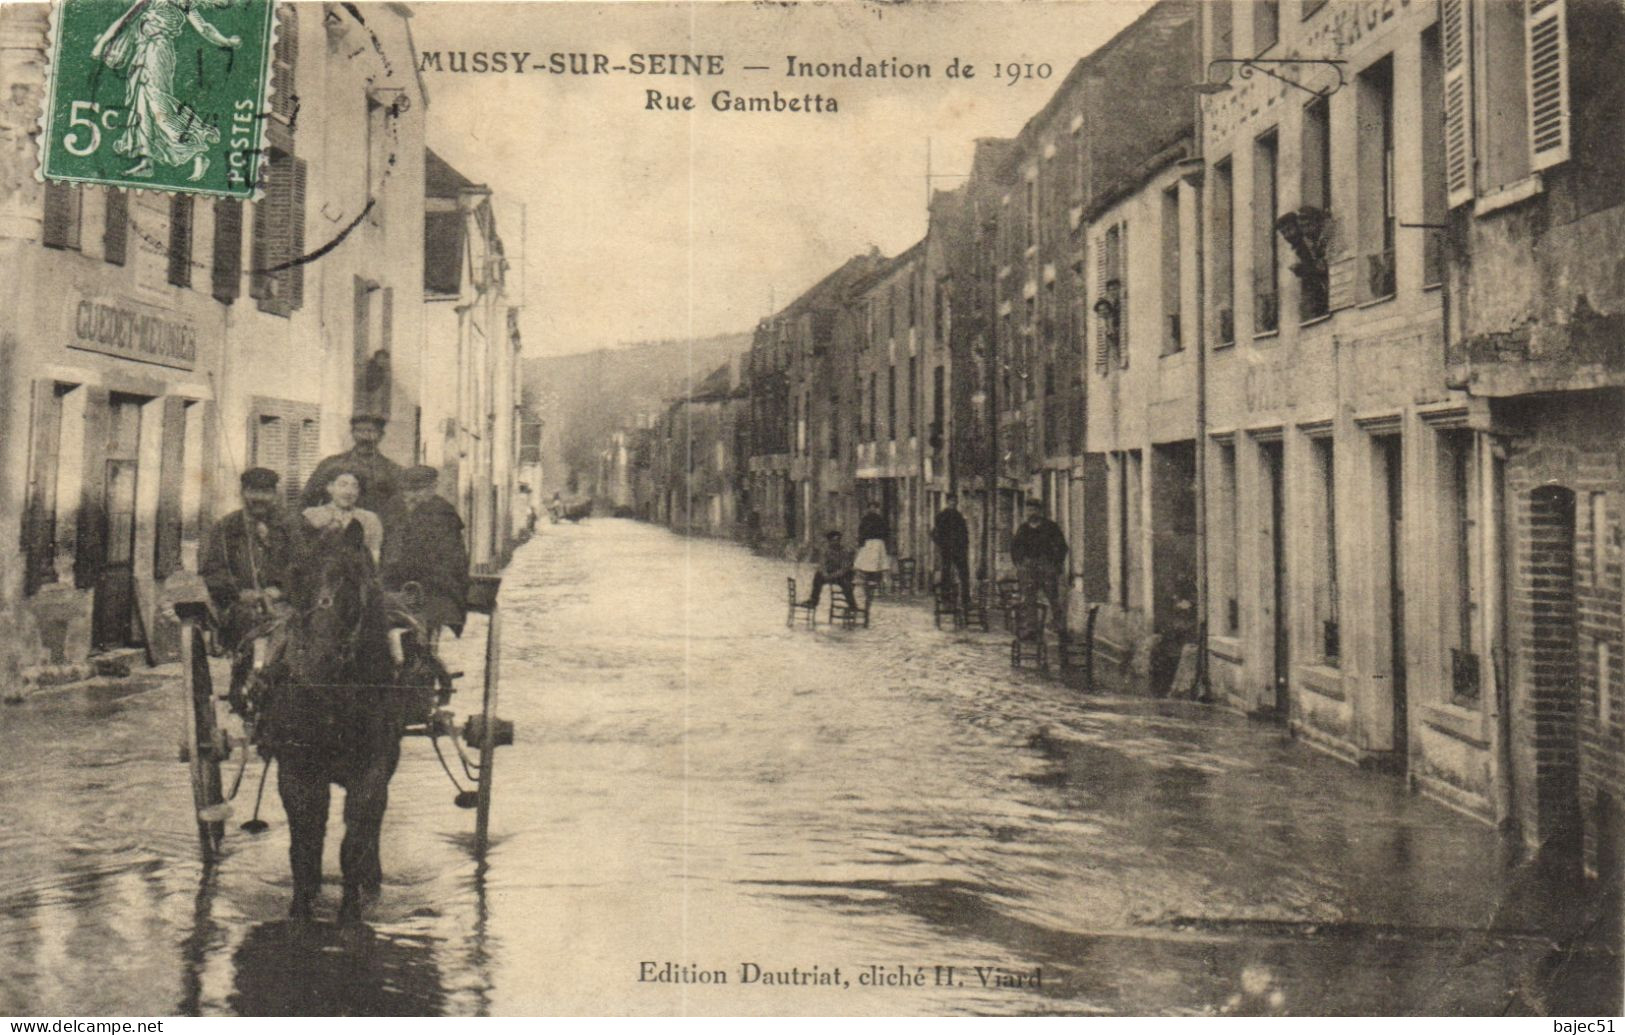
(440, 180)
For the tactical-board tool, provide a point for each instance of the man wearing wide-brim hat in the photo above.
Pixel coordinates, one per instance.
(380, 476)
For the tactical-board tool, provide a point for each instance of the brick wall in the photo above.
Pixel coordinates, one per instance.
(1564, 485)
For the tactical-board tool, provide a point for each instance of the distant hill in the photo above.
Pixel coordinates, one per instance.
(585, 396)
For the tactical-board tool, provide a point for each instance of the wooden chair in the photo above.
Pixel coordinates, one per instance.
(946, 602)
(1029, 639)
(796, 604)
(1009, 598)
(844, 615)
(902, 579)
(873, 583)
(976, 610)
(1080, 653)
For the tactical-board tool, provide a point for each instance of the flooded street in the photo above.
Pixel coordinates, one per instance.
(695, 784)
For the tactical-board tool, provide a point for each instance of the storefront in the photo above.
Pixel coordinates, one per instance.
(113, 448)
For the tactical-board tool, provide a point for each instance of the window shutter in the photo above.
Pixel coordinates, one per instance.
(171, 472)
(61, 216)
(272, 223)
(1122, 295)
(1102, 275)
(271, 446)
(1548, 57)
(180, 240)
(228, 250)
(295, 274)
(387, 334)
(91, 547)
(310, 441)
(1455, 38)
(39, 531)
(116, 227)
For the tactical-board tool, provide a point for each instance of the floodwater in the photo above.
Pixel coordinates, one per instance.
(695, 784)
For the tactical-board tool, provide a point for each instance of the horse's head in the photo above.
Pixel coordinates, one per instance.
(339, 635)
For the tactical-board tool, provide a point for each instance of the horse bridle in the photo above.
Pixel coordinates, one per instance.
(324, 602)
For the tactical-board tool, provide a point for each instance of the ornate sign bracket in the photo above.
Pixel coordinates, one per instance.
(1245, 67)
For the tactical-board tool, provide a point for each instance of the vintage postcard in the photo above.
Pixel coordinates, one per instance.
(1106, 508)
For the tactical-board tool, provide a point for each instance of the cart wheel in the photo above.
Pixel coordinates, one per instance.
(488, 727)
(201, 738)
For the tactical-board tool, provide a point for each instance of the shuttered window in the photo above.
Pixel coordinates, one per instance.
(63, 203)
(286, 438)
(1548, 71)
(1101, 321)
(116, 227)
(1456, 32)
(278, 280)
(284, 61)
(180, 240)
(228, 250)
(1122, 295)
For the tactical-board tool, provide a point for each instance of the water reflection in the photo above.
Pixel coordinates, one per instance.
(694, 782)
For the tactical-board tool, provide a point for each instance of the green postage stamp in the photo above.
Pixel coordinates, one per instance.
(159, 94)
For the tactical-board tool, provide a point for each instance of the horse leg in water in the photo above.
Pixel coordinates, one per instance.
(366, 796)
(303, 785)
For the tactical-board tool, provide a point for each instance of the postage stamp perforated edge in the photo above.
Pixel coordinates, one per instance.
(262, 115)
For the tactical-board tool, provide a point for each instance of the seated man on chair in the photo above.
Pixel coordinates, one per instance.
(834, 565)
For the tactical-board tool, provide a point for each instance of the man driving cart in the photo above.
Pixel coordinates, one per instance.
(245, 566)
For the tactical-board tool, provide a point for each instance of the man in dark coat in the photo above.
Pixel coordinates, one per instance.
(246, 556)
(380, 476)
(834, 566)
(952, 537)
(424, 545)
(1039, 551)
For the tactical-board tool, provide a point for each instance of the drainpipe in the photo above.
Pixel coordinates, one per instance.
(1192, 172)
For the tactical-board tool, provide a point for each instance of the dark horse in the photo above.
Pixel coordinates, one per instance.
(334, 712)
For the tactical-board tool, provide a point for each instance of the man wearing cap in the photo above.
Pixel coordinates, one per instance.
(1039, 551)
(952, 537)
(380, 476)
(834, 565)
(424, 545)
(246, 556)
